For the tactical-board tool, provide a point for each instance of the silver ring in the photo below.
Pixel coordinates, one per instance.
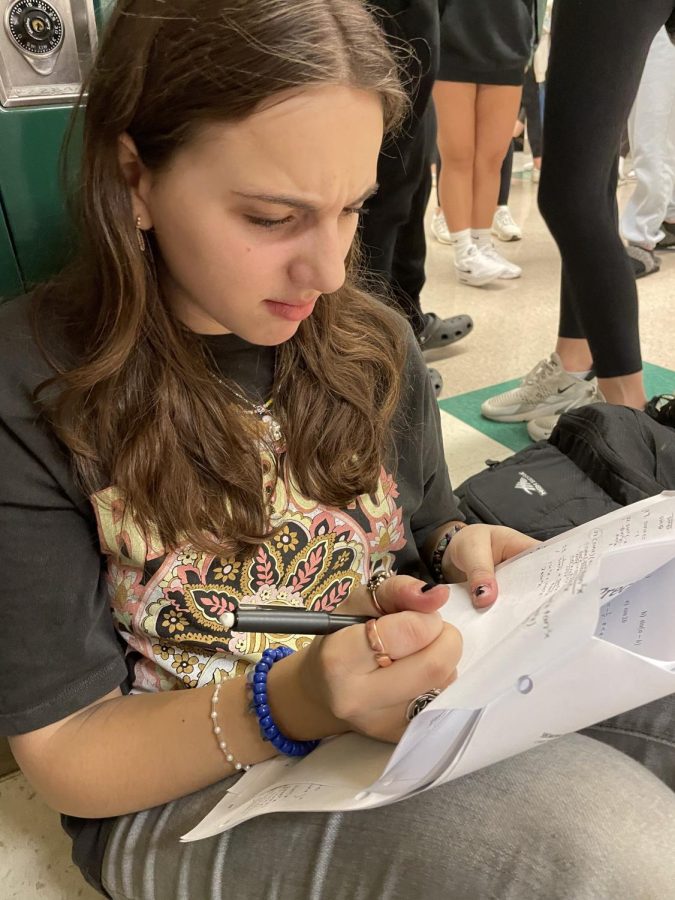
(373, 584)
(416, 706)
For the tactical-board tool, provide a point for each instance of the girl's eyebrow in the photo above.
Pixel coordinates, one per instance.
(296, 203)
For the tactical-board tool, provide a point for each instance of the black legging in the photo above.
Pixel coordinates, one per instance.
(505, 177)
(392, 233)
(532, 109)
(598, 51)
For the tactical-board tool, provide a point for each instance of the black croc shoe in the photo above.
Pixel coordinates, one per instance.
(436, 380)
(439, 332)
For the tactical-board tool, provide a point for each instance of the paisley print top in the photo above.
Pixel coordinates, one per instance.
(108, 606)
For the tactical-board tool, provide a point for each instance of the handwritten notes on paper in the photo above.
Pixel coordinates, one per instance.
(584, 629)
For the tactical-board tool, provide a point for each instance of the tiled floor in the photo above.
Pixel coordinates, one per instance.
(515, 326)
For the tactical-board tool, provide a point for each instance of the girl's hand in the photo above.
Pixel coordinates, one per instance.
(340, 674)
(473, 553)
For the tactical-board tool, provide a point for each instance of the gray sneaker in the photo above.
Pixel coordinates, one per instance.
(547, 390)
(540, 429)
(643, 261)
(667, 242)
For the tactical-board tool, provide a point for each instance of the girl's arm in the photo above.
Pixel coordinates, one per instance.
(126, 753)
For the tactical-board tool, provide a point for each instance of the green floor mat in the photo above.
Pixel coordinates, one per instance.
(466, 407)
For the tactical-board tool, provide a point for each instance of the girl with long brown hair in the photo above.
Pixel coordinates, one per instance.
(205, 412)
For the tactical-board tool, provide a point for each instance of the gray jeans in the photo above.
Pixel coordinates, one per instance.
(572, 820)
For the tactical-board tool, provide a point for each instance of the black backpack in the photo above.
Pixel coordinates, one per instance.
(598, 458)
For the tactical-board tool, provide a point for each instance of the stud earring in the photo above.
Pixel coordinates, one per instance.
(140, 237)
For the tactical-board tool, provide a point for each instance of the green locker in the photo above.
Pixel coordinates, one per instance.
(10, 276)
(46, 47)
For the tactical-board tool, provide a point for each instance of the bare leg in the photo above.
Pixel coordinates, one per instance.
(455, 111)
(496, 110)
(626, 390)
(575, 354)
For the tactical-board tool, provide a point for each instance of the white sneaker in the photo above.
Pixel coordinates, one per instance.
(503, 226)
(509, 269)
(476, 269)
(439, 228)
(547, 390)
(540, 429)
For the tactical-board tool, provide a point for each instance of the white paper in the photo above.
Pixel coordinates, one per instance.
(584, 628)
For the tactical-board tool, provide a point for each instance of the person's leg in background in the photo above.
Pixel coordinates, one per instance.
(407, 268)
(584, 117)
(455, 104)
(496, 110)
(389, 211)
(455, 113)
(532, 106)
(503, 226)
(505, 174)
(585, 114)
(439, 227)
(651, 131)
(392, 233)
(670, 214)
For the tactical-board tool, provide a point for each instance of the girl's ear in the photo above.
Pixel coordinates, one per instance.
(138, 179)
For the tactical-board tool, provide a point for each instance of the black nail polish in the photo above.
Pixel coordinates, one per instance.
(427, 587)
(480, 590)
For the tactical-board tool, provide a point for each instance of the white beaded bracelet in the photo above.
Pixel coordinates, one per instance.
(239, 767)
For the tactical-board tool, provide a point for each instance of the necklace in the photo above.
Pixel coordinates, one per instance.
(263, 412)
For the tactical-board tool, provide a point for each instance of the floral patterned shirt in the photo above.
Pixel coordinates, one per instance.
(166, 606)
(89, 603)
(101, 605)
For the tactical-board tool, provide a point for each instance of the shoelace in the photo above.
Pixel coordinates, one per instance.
(504, 218)
(538, 377)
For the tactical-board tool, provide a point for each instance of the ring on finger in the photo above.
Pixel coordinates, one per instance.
(419, 703)
(373, 584)
(382, 658)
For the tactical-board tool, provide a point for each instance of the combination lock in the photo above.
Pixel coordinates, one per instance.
(36, 28)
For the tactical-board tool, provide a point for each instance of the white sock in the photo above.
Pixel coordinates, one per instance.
(461, 241)
(481, 237)
(580, 375)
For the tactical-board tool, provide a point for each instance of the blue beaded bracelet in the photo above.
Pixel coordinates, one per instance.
(268, 727)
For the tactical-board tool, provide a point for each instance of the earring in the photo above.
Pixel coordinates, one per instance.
(140, 235)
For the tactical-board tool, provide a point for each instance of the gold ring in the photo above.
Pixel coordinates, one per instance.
(382, 658)
(373, 584)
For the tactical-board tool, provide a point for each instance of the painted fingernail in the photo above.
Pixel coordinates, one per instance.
(480, 591)
(427, 587)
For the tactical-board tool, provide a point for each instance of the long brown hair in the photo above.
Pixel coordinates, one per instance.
(138, 407)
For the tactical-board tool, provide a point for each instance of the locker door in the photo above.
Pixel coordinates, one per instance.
(10, 276)
(31, 190)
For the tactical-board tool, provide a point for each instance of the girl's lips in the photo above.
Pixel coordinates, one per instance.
(290, 311)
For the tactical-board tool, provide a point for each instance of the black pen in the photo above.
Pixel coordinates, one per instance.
(286, 620)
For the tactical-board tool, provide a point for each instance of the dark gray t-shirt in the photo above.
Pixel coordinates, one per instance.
(89, 603)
